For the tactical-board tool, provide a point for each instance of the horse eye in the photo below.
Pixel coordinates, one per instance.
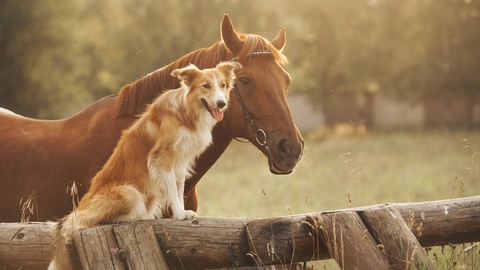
(244, 81)
(207, 86)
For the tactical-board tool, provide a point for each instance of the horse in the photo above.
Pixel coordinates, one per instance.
(42, 159)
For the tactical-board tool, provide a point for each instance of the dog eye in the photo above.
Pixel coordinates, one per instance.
(224, 85)
(207, 86)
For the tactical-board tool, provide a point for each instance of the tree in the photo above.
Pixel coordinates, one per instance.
(59, 57)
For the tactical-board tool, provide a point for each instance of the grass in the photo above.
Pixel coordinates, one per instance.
(349, 171)
(340, 172)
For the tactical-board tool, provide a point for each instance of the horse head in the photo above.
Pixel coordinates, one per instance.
(259, 112)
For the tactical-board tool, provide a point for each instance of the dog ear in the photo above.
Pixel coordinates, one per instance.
(228, 69)
(186, 74)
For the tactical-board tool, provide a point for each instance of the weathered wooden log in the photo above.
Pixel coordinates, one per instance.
(341, 235)
(283, 240)
(203, 242)
(25, 246)
(224, 242)
(350, 243)
(444, 222)
(140, 246)
(398, 243)
(437, 223)
(96, 249)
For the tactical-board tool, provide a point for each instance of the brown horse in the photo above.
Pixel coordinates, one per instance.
(47, 155)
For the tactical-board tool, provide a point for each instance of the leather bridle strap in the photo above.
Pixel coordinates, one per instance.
(260, 135)
(258, 131)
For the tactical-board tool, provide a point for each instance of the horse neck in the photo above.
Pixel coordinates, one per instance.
(134, 97)
(96, 124)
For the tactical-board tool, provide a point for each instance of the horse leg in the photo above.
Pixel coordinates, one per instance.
(191, 199)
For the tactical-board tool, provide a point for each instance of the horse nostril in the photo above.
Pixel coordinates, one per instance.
(283, 147)
(221, 104)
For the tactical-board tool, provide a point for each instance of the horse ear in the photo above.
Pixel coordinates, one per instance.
(280, 40)
(186, 74)
(230, 36)
(228, 68)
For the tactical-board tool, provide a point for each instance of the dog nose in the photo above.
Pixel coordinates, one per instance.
(221, 104)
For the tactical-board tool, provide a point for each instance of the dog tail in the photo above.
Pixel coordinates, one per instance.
(62, 232)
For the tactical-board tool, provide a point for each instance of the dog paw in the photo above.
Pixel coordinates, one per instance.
(186, 214)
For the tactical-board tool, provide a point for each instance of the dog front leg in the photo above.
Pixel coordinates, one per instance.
(173, 195)
(180, 175)
(162, 172)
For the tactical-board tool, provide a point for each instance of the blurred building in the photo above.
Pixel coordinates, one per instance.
(373, 110)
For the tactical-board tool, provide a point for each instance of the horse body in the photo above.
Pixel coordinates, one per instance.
(46, 155)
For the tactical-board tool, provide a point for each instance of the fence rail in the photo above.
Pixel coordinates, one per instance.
(385, 236)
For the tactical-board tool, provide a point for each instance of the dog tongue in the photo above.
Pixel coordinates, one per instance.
(217, 114)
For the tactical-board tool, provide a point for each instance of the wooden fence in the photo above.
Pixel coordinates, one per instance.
(386, 236)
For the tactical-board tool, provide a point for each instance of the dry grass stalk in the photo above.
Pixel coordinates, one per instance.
(353, 168)
(316, 224)
(471, 159)
(168, 238)
(458, 185)
(72, 191)
(28, 207)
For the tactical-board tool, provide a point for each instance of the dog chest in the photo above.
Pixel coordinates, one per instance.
(193, 143)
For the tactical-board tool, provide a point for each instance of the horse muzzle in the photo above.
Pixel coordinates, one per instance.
(285, 156)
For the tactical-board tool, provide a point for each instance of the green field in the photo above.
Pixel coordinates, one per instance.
(349, 171)
(344, 171)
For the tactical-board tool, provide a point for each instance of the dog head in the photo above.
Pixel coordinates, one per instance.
(210, 86)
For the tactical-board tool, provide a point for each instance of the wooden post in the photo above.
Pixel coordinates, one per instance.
(350, 243)
(398, 242)
(96, 248)
(140, 247)
(126, 246)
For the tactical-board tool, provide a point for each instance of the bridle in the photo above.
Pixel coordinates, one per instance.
(251, 123)
(246, 114)
(260, 135)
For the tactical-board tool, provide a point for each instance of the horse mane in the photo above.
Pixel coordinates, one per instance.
(134, 97)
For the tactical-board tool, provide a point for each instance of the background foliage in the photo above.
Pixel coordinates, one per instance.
(58, 57)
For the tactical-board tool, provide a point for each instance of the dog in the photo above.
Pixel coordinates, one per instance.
(145, 176)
